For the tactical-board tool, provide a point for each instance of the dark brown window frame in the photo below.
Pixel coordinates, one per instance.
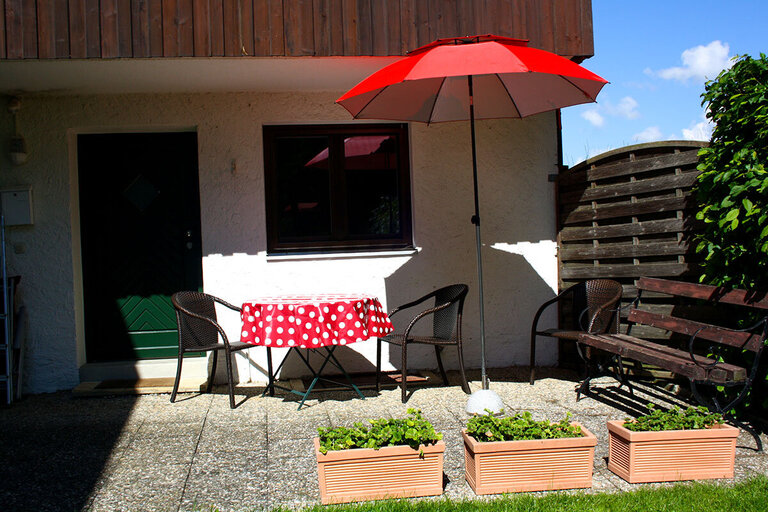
(337, 242)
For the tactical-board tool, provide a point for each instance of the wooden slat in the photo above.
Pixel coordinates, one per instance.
(231, 28)
(466, 14)
(385, 27)
(587, 48)
(77, 40)
(171, 29)
(650, 227)
(277, 29)
(668, 358)
(3, 54)
(261, 27)
(620, 190)
(738, 297)
(201, 24)
(185, 23)
(61, 29)
(620, 271)
(322, 27)
(299, 35)
(548, 20)
(46, 31)
(124, 40)
(602, 212)
(443, 19)
(421, 20)
(518, 26)
(742, 340)
(248, 28)
(29, 21)
(92, 28)
(491, 17)
(110, 46)
(365, 27)
(140, 29)
(640, 166)
(336, 28)
(571, 252)
(567, 18)
(217, 27)
(155, 24)
(14, 29)
(349, 21)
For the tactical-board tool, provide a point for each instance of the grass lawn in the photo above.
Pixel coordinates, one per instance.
(750, 495)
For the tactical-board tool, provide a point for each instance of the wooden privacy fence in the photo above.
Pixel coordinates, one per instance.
(626, 214)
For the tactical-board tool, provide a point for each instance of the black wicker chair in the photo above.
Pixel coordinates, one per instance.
(446, 330)
(199, 331)
(594, 309)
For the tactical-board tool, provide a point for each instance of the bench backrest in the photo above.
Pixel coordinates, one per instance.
(752, 341)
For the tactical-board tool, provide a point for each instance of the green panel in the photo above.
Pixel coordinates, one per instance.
(153, 313)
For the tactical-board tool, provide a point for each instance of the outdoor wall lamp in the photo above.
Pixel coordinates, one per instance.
(18, 146)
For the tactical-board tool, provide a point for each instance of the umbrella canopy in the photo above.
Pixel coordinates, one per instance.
(509, 80)
(468, 78)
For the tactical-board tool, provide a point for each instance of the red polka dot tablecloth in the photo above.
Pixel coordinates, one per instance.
(312, 321)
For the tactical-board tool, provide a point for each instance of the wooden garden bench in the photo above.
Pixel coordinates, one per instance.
(722, 368)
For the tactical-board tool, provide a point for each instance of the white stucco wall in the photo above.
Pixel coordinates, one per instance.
(517, 210)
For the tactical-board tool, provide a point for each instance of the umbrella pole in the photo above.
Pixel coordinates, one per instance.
(476, 222)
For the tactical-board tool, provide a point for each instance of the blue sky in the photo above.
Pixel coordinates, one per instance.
(657, 56)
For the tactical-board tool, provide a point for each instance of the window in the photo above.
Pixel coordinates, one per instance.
(337, 188)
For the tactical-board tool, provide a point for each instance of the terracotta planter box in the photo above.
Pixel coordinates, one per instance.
(672, 454)
(390, 472)
(535, 465)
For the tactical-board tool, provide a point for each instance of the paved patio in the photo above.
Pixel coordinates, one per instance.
(64, 452)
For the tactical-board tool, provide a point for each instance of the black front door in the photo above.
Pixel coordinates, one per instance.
(140, 233)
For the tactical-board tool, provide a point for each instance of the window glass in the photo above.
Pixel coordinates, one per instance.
(303, 205)
(337, 187)
(370, 168)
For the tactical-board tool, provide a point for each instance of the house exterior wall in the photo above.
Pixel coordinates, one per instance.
(517, 210)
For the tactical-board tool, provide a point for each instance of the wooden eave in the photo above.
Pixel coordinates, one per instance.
(106, 29)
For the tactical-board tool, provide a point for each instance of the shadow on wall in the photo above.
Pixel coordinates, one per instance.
(513, 291)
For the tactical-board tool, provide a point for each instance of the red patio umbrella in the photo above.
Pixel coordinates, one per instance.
(478, 77)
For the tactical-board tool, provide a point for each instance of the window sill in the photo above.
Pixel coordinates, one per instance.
(341, 255)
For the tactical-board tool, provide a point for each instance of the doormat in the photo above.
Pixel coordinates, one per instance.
(143, 386)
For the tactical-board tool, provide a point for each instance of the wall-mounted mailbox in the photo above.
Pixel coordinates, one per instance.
(16, 205)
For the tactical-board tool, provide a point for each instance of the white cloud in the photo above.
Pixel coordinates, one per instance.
(698, 131)
(652, 133)
(627, 108)
(699, 63)
(594, 117)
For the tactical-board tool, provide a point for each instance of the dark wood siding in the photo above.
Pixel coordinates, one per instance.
(61, 29)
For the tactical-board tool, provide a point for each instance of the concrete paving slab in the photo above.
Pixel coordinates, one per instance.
(63, 452)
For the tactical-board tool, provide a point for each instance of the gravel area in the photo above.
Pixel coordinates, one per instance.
(109, 453)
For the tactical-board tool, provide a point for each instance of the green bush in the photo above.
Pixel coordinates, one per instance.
(733, 185)
(673, 419)
(413, 431)
(487, 427)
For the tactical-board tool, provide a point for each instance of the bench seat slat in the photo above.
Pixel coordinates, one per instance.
(744, 340)
(704, 292)
(665, 357)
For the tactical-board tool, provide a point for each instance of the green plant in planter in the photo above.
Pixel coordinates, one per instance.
(673, 419)
(412, 431)
(487, 427)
